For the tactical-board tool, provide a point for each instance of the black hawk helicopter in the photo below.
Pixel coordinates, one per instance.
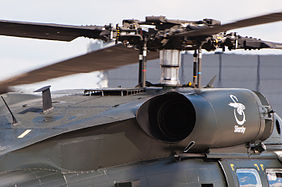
(163, 134)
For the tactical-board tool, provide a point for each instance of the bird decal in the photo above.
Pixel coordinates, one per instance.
(238, 109)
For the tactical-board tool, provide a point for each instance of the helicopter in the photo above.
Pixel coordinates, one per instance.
(163, 134)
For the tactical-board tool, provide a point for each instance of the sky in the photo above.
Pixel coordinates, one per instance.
(18, 55)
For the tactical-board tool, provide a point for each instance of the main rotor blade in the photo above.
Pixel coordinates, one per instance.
(268, 18)
(253, 43)
(272, 45)
(104, 59)
(48, 31)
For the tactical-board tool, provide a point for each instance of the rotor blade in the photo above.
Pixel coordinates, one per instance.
(272, 45)
(253, 43)
(268, 18)
(48, 31)
(104, 59)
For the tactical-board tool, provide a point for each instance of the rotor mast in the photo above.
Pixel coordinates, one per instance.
(170, 60)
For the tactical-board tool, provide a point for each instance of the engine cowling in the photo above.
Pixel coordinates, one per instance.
(209, 117)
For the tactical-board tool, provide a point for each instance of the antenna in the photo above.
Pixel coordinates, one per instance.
(46, 98)
(13, 117)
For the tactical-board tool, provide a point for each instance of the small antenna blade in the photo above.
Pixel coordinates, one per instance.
(13, 117)
(210, 84)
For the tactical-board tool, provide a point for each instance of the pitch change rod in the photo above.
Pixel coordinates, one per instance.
(195, 58)
(142, 66)
(199, 67)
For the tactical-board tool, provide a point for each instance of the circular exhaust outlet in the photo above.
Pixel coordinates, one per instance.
(170, 117)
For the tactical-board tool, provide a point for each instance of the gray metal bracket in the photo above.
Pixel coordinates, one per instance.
(46, 98)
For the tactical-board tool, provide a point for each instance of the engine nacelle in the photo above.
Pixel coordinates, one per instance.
(209, 117)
